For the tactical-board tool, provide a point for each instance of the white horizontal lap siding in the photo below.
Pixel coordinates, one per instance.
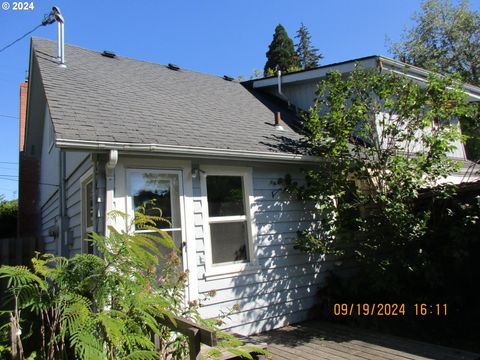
(283, 287)
(78, 165)
(50, 215)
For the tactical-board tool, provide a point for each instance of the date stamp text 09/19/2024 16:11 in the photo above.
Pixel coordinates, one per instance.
(345, 309)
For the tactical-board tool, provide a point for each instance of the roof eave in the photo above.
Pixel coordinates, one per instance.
(190, 151)
(411, 71)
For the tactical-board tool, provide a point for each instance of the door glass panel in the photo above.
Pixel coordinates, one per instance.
(164, 189)
(157, 191)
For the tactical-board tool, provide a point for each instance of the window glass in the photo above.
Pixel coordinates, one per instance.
(227, 219)
(229, 242)
(157, 191)
(225, 196)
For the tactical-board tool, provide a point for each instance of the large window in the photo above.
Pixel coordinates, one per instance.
(229, 218)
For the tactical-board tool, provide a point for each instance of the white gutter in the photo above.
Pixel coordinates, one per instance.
(110, 189)
(182, 150)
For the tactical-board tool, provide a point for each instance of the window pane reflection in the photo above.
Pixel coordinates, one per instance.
(229, 242)
(225, 196)
(163, 190)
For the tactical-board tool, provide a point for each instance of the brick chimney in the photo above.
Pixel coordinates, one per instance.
(29, 172)
(23, 113)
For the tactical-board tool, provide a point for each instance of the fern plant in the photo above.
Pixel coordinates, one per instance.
(108, 306)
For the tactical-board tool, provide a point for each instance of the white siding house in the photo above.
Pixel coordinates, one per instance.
(116, 132)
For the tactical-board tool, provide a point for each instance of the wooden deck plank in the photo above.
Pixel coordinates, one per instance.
(322, 340)
(314, 347)
(369, 347)
(348, 350)
(366, 351)
(409, 347)
(306, 355)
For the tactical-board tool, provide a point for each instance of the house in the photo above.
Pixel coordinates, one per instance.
(109, 132)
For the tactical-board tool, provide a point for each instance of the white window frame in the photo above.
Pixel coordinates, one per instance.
(214, 270)
(85, 179)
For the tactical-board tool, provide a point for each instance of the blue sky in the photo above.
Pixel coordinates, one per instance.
(212, 36)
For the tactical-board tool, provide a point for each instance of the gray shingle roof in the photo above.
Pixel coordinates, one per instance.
(129, 101)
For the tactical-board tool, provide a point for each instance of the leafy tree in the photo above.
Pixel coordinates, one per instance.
(308, 55)
(382, 139)
(445, 38)
(281, 53)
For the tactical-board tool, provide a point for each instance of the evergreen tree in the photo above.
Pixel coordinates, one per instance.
(281, 53)
(308, 55)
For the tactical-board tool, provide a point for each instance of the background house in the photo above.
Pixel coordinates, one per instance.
(110, 133)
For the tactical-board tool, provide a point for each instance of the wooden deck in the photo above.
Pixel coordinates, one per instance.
(317, 340)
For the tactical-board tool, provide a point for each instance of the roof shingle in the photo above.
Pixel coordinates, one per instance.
(129, 101)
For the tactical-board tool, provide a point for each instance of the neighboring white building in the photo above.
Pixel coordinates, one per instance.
(111, 132)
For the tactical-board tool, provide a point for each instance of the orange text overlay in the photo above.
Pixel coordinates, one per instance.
(389, 309)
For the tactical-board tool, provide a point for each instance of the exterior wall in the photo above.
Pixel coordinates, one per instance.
(302, 95)
(50, 224)
(77, 164)
(49, 194)
(282, 288)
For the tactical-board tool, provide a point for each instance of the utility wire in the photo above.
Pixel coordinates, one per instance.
(47, 20)
(29, 181)
(20, 38)
(9, 116)
(8, 162)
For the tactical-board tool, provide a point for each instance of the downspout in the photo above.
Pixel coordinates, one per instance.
(110, 187)
(63, 205)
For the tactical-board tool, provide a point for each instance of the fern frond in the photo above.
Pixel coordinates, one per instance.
(114, 328)
(87, 346)
(20, 276)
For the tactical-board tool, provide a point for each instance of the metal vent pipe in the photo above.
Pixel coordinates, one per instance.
(61, 36)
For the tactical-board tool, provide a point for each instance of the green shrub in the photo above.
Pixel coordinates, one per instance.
(8, 218)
